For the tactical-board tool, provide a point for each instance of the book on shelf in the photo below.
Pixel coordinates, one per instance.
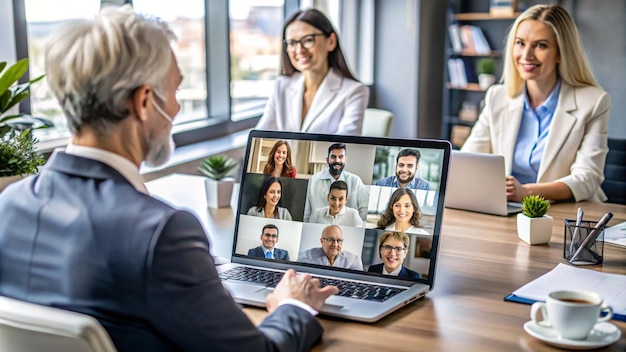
(501, 8)
(468, 112)
(459, 134)
(455, 37)
(473, 40)
(457, 73)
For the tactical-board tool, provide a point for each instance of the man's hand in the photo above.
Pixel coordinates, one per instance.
(301, 287)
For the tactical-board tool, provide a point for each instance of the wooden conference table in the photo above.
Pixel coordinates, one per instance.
(481, 260)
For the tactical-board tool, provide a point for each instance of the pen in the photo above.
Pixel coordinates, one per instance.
(579, 219)
(593, 234)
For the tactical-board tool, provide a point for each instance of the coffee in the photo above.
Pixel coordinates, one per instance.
(571, 313)
(575, 300)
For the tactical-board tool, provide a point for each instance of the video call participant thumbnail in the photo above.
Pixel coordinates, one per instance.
(331, 253)
(267, 249)
(336, 212)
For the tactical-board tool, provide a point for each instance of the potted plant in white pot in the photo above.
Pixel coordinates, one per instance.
(533, 225)
(218, 185)
(18, 156)
(486, 70)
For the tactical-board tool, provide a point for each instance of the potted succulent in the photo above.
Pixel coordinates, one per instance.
(486, 70)
(218, 185)
(18, 156)
(533, 225)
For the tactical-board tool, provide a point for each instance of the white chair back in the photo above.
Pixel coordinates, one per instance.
(377, 122)
(28, 327)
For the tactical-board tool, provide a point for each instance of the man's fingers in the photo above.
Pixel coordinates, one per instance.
(329, 290)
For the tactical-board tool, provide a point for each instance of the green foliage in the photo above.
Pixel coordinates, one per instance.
(18, 155)
(486, 65)
(17, 150)
(217, 167)
(535, 206)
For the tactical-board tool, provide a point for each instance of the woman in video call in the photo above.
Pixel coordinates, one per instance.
(392, 249)
(268, 200)
(316, 91)
(279, 161)
(549, 118)
(402, 213)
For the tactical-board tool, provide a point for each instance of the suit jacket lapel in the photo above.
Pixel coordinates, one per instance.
(562, 123)
(325, 94)
(509, 130)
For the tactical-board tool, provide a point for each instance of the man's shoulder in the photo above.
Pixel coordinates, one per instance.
(387, 181)
(350, 255)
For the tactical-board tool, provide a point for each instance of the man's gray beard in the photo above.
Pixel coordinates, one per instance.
(160, 150)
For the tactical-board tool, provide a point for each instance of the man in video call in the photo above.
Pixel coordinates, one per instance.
(336, 212)
(331, 253)
(268, 250)
(319, 184)
(407, 163)
(84, 235)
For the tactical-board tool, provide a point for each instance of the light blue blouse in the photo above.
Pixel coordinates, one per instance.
(532, 136)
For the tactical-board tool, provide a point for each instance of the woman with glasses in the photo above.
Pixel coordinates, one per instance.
(392, 249)
(550, 117)
(316, 91)
(268, 200)
(402, 213)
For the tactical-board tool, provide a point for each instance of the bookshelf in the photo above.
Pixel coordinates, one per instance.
(463, 96)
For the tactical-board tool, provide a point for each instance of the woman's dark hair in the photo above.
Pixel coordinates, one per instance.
(271, 164)
(387, 218)
(318, 20)
(260, 200)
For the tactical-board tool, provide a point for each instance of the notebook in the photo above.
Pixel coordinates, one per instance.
(477, 182)
(364, 296)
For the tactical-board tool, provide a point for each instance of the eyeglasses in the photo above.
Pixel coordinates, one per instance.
(306, 42)
(388, 249)
(270, 235)
(332, 240)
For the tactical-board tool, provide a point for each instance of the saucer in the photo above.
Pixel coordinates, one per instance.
(602, 334)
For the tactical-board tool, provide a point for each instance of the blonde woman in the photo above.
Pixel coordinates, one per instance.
(549, 118)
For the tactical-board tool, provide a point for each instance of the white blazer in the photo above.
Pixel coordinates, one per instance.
(576, 147)
(337, 107)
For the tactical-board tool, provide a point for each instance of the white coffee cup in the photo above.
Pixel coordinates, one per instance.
(571, 313)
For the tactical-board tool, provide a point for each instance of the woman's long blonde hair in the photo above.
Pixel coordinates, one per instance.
(573, 67)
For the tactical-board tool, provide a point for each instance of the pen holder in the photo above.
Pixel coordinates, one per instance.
(593, 251)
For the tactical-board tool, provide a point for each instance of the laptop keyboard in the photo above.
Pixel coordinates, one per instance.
(351, 289)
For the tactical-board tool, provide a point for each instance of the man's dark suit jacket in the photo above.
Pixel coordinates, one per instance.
(279, 254)
(405, 272)
(78, 236)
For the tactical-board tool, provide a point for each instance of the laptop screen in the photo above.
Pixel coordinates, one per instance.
(352, 204)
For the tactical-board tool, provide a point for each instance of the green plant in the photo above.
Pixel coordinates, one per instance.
(18, 155)
(217, 167)
(17, 150)
(535, 206)
(486, 65)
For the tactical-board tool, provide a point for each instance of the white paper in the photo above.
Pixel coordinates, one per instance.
(616, 234)
(612, 287)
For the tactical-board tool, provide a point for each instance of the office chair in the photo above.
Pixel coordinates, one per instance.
(376, 122)
(27, 327)
(614, 184)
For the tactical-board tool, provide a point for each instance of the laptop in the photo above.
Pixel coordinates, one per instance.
(477, 182)
(364, 296)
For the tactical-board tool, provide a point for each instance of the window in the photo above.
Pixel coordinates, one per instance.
(187, 22)
(255, 49)
(42, 18)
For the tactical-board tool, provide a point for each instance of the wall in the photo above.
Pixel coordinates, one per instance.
(602, 26)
